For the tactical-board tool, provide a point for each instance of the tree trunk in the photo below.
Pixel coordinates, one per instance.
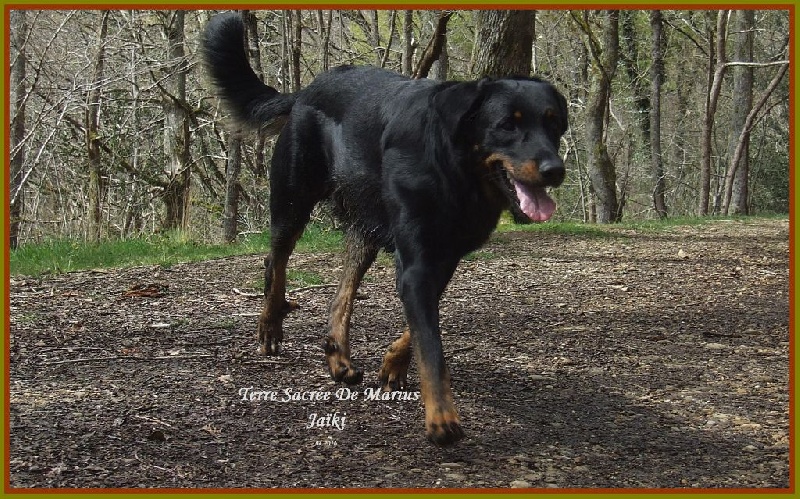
(325, 26)
(387, 50)
(230, 216)
(630, 59)
(657, 78)
(297, 47)
(19, 31)
(409, 44)
(748, 125)
(602, 171)
(176, 128)
(98, 176)
(716, 71)
(132, 220)
(504, 43)
(736, 203)
(647, 100)
(441, 66)
(285, 75)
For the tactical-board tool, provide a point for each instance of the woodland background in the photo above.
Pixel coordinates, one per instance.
(115, 131)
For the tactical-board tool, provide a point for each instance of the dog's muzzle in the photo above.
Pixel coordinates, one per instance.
(529, 180)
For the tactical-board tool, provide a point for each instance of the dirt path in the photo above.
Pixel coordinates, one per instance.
(657, 359)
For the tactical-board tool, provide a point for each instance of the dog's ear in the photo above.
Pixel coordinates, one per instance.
(455, 103)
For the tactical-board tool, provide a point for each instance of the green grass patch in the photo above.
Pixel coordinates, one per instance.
(60, 256)
(319, 239)
(301, 278)
(566, 228)
(619, 230)
(656, 225)
(481, 255)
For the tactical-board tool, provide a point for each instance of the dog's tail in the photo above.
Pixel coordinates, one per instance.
(252, 102)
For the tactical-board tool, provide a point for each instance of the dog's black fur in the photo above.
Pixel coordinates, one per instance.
(419, 168)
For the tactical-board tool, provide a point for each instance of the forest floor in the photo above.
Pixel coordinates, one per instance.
(635, 359)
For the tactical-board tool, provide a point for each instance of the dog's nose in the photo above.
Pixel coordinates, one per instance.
(552, 171)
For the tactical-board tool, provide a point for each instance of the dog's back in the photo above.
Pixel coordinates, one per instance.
(346, 90)
(355, 91)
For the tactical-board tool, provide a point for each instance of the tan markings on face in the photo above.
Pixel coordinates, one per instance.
(518, 115)
(500, 158)
(549, 114)
(527, 171)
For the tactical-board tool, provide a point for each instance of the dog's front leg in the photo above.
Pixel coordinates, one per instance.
(420, 287)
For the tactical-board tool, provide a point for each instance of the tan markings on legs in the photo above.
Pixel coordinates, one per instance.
(442, 424)
(276, 308)
(394, 370)
(358, 258)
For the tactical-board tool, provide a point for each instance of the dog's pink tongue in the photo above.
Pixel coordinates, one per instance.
(535, 202)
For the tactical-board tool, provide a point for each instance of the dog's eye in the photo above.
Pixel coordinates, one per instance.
(508, 124)
(552, 119)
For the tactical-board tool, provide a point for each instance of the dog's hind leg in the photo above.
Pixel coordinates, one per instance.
(297, 176)
(359, 255)
(276, 307)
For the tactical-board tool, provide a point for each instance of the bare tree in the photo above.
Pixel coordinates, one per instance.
(296, 47)
(604, 57)
(324, 22)
(98, 176)
(435, 46)
(254, 52)
(742, 141)
(176, 124)
(17, 94)
(743, 98)
(409, 44)
(716, 71)
(646, 96)
(656, 79)
(157, 140)
(233, 166)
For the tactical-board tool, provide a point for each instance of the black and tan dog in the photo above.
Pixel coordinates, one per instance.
(416, 167)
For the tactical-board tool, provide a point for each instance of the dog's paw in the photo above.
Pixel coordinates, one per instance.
(392, 378)
(348, 374)
(444, 429)
(394, 370)
(270, 348)
(270, 336)
(340, 366)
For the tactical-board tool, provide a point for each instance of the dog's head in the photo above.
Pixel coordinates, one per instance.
(512, 129)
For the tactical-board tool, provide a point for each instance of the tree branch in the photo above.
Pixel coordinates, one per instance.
(434, 48)
(746, 129)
